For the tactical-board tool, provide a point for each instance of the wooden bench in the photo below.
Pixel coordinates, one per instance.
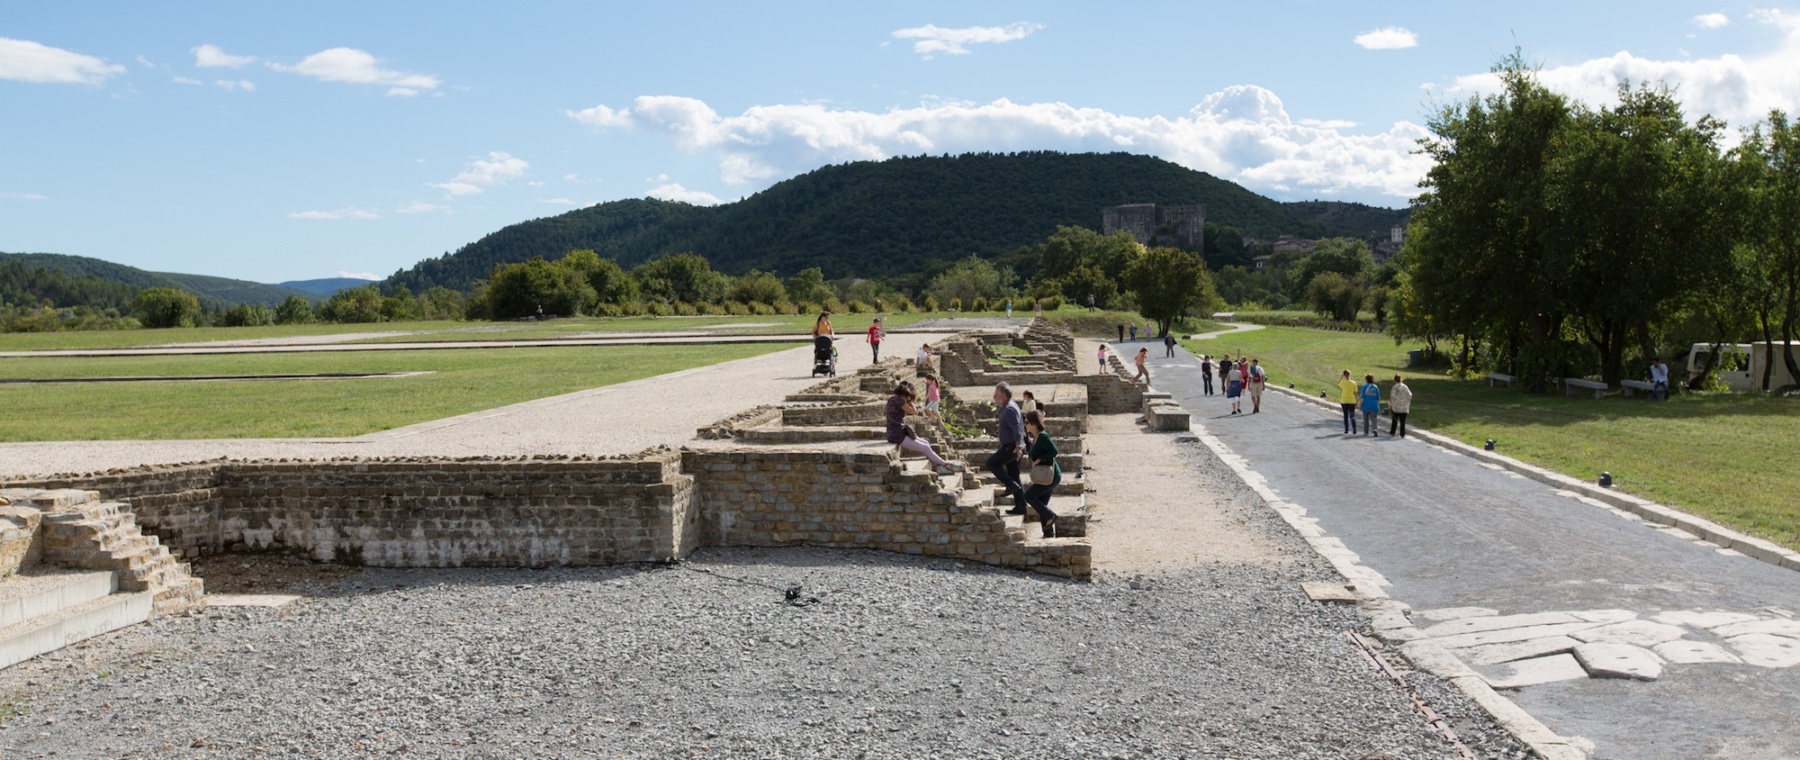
(1637, 385)
(1501, 377)
(1571, 383)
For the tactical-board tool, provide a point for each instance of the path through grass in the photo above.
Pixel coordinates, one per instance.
(1730, 458)
(461, 381)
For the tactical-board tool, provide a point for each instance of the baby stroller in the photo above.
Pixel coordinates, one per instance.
(824, 356)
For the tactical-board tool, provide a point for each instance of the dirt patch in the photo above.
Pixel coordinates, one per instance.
(268, 574)
(1154, 510)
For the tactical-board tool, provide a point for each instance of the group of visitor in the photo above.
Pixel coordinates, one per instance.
(1239, 378)
(1365, 398)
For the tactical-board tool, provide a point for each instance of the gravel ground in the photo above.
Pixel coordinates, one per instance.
(881, 655)
(599, 421)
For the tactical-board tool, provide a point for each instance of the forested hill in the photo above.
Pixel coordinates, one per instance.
(213, 292)
(890, 217)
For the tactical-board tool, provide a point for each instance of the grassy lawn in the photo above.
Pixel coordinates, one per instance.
(1734, 459)
(462, 381)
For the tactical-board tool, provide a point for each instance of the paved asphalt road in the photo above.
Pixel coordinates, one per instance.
(1449, 532)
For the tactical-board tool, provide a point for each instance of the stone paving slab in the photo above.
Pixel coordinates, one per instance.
(1608, 660)
(1686, 652)
(1535, 672)
(1505, 635)
(1779, 627)
(1638, 632)
(1697, 619)
(1498, 622)
(1767, 650)
(1494, 654)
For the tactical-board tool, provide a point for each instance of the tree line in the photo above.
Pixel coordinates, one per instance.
(1557, 240)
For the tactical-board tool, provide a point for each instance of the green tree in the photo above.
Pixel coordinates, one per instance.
(246, 315)
(757, 287)
(520, 290)
(682, 277)
(1169, 283)
(1346, 256)
(443, 303)
(611, 284)
(353, 305)
(969, 279)
(166, 307)
(809, 287)
(1769, 160)
(294, 310)
(1336, 296)
(401, 306)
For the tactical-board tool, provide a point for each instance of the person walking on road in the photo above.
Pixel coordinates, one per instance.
(1206, 373)
(1134, 332)
(1121, 334)
(875, 334)
(1004, 462)
(822, 325)
(1234, 387)
(1168, 346)
(1370, 396)
(1255, 382)
(899, 407)
(1009, 308)
(1143, 371)
(1347, 399)
(1042, 454)
(1399, 403)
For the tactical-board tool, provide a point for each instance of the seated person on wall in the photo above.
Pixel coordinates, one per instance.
(899, 407)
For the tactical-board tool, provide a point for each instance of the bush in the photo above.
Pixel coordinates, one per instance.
(786, 308)
(979, 304)
(661, 309)
(294, 311)
(761, 309)
(736, 308)
(956, 304)
(859, 307)
(247, 315)
(834, 306)
(685, 309)
(931, 303)
(1051, 303)
(166, 307)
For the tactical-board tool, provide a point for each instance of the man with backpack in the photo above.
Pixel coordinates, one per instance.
(1257, 381)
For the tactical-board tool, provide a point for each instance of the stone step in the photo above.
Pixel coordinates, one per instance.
(49, 500)
(48, 633)
(44, 592)
(821, 434)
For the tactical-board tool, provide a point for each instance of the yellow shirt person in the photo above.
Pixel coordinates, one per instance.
(1349, 387)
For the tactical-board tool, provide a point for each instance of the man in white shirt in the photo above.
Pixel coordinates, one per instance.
(1659, 379)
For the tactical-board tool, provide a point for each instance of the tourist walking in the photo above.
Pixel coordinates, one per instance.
(933, 395)
(1037, 308)
(1102, 359)
(1347, 399)
(1659, 380)
(1206, 372)
(875, 334)
(1399, 403)
(899, 407)
(1009, 308)
(1168, 346)
(1148, 332)
(1134, 332)
(1256, 381)
(1046, 474)
(1143, 371)
(1121, 333)
(1004, 462)
(1370, 396)
(1234, 387)
(822, 325)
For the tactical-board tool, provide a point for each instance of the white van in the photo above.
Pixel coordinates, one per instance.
(1732, 359)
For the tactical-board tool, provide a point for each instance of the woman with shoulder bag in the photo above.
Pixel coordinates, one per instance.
(1046, 474)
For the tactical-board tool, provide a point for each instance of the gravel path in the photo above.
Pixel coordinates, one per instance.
(615, 419)
(898, 657)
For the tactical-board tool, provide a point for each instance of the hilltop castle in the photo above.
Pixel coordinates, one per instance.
(1150, 224)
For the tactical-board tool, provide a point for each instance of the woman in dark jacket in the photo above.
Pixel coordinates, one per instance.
(1042, 452)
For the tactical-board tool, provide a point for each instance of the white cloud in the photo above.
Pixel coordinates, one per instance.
(24, 197)
(1711, 20)
(561, 202)
(498, 168)
(188, 80)
(1327, 123)
(930, 40)
(421, 207)
(360, 275)
(209, 56)
(1242, 133)
(236, 84)
(1736, 88)
(342, 213)
(359, 67)
(600, 116)
(675, 192)
(534, 183)
(1388, 38)
(27, 61)
(145, 62)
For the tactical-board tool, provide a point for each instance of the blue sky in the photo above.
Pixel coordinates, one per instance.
(275, 141)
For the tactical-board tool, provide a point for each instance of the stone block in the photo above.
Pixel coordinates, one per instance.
(1612, 660)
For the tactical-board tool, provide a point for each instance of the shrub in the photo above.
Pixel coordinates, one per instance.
(736, 308)
(1051, 303)
(761, 309)
(979, 304)
(956, 304)
(859, 307)
(685, 309)
(786, 308)
(931, 303)
(661, 309)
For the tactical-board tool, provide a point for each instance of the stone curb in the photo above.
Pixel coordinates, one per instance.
(1650, 511)
(1388, 616)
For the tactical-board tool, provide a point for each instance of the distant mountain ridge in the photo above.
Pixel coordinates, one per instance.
(213, 292)
(325, 286)
(875, 218)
